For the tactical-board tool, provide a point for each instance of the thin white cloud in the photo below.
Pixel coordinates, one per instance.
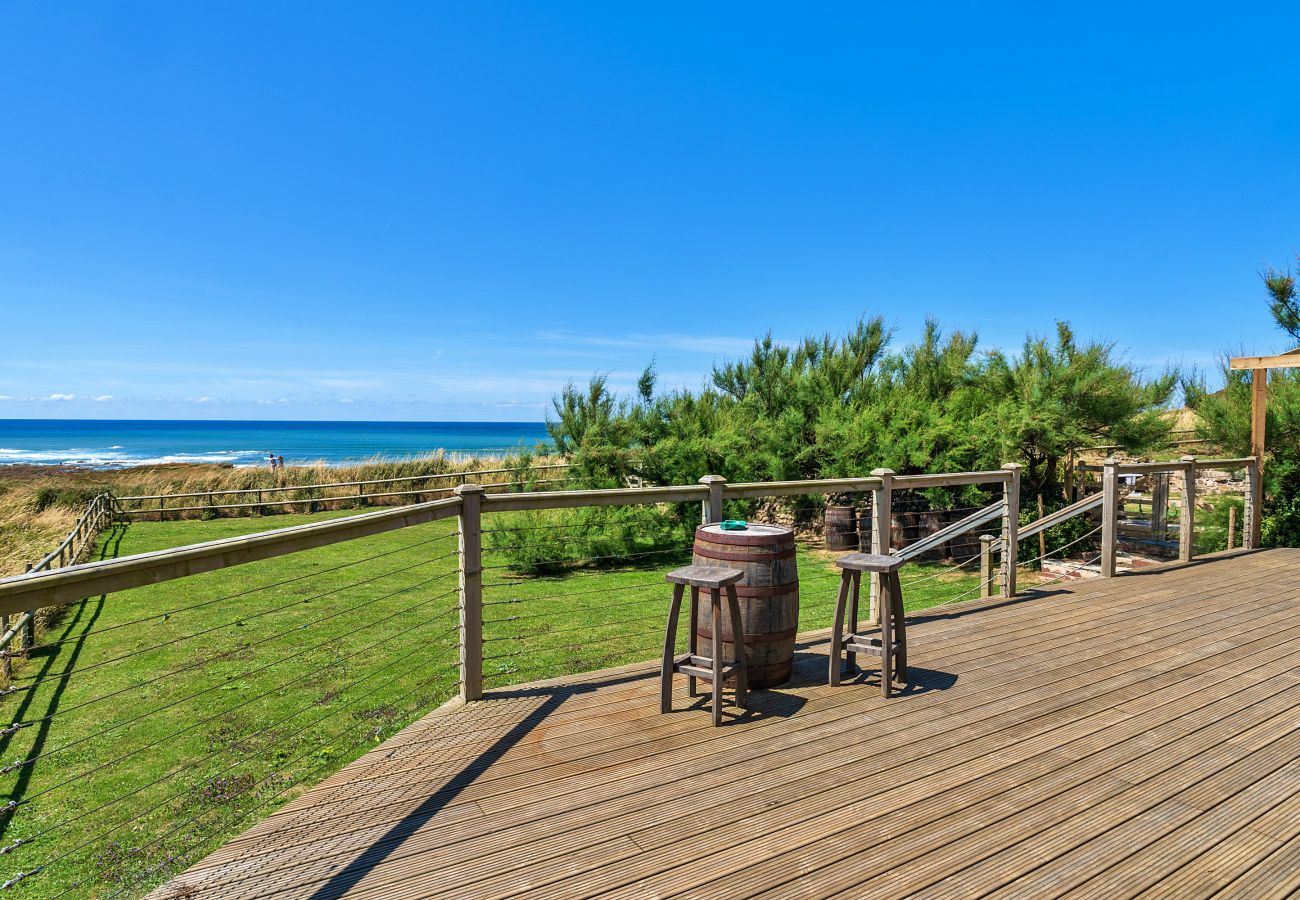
(201, 400)
(61, 397)
(345, 400)
(103, 398)
(5, 397)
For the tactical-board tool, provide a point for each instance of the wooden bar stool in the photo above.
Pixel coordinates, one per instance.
(710, 668)
(891, 645)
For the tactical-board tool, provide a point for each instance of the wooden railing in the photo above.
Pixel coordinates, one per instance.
(98, 513)
(470, 502)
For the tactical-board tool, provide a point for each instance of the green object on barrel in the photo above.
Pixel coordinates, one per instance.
(733, 525)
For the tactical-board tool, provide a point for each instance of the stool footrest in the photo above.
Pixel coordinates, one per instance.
(702, 667)
(854, 643)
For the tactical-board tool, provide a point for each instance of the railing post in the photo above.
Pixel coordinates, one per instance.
(882, 515)
(1258, 449)
(28, 633)
(1250, 529)
(1160, 505)
(471, 591)
(1187, 515)
(7, 665)
(986, 565)
(1109, 515)
(1232, 526)
(1010, 529)
(711, 508)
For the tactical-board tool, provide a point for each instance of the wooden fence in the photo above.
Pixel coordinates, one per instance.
(260, 501)
(98, 513)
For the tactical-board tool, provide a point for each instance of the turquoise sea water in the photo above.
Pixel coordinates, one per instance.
(108, 444)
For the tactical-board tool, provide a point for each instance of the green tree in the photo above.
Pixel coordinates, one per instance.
(1054, 396)
(1223, 419)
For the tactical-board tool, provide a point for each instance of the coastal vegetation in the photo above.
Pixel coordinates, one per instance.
(841, 405)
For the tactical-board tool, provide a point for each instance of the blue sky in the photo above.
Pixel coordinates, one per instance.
(446, 210)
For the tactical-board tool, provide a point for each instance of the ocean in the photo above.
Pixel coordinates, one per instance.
(115, 444)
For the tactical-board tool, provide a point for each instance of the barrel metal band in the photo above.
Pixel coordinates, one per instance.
(710, 553)
(770, 638)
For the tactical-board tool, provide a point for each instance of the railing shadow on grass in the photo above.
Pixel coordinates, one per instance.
(72, 639)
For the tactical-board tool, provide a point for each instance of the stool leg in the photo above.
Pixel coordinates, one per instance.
(695, 638)
(851, 658)
(738, 641)
(900, 628)
(837, 633)
(886, 606)
(715, 613)
(670, 651)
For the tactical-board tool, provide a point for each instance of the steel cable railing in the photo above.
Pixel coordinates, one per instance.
(200, 729)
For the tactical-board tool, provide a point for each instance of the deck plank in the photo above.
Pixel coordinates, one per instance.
(1108, 737)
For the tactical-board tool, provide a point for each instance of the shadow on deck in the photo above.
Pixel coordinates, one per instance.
(1139, 734)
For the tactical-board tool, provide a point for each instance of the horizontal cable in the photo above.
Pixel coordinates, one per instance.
(240, 649)
(947, 569)
(1070, 570)
(238, 621)
(245, 593)
(218, 715)
(192, 763)
(635, 586)
(511, 528)
(540, 650)
(588, 559)
(1042, 556)
(269, 775)
(586, 626)
(549, 613)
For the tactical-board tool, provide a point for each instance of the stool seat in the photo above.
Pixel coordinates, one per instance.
(716, 580)
(870, 562)
(705, 576)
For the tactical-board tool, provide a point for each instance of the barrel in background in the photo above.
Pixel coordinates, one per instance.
(842, 528)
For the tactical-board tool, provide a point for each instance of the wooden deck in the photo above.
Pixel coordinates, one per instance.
(1138, 736)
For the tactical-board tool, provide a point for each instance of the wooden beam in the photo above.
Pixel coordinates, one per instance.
(1288, 360)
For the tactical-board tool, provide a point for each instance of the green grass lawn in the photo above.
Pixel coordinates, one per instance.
(167, 718)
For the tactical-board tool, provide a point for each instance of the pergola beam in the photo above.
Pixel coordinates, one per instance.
(1288, 360)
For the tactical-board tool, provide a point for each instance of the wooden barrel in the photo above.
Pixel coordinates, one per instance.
(769, 596)
(841, 528)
